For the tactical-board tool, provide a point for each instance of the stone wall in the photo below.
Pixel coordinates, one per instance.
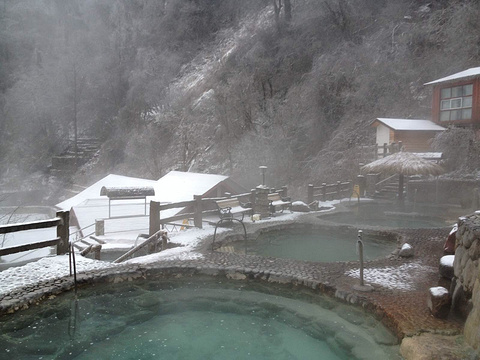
(466, 282)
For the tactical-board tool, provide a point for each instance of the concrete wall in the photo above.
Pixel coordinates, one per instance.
(466, 282)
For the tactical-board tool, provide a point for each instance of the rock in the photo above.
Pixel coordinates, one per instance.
(300, 206)
(468, 239)
(439, 302)
(474, 251)
(406, 250)
(433, 347)
(236, 276)
(446, 266)
(457, 264)
(449, 247)
(469, 275)
(460, 301)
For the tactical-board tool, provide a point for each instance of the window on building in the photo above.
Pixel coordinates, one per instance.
(456, 103)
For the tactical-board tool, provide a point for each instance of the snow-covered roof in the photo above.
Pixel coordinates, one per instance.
(176, 186)
(93, 191)
(410, 124)
(472, 72)
(179, 186)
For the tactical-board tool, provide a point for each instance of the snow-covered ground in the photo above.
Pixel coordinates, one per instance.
(52, 267)
(396, 278)
(47, 268)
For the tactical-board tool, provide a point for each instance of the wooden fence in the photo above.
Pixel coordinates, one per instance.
(327, 192)
(61, 222)
(197, 209)
(370, 153)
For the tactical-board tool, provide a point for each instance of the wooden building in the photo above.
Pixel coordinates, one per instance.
(415, 135)
(456, 99)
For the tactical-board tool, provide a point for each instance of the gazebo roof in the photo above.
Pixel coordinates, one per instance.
(404, 163)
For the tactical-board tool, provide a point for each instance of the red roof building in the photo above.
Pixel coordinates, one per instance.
(456, 99)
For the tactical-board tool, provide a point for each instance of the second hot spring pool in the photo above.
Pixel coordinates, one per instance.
(385, 216)
(319, 245)
(194, 318)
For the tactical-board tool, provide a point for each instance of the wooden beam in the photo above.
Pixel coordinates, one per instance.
(27, 247)
(177, 205)
(42, 224)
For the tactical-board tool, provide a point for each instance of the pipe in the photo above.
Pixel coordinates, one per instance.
(360, 254)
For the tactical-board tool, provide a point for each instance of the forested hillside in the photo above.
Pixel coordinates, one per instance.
(220, 86)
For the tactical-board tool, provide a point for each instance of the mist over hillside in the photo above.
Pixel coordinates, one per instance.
(219, 86)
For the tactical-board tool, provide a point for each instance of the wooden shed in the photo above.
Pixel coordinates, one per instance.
(415, 134)
(456, 99)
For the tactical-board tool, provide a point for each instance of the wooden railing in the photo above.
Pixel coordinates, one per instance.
(327, 192)
(368, 153)
(61, 222)
(198, 208)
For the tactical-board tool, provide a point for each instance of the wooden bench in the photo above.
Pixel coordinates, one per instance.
(228, 208)
(276, 201)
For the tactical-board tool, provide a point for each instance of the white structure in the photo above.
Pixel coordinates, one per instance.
(415, 134)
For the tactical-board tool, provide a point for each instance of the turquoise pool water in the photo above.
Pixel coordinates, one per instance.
(322, 245)
(194, 319)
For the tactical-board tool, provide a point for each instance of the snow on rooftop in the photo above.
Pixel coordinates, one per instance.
(93, 191)
(411, 124)
(179, 186)
(175, 186)
(457, 76)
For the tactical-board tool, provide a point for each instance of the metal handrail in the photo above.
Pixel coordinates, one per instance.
(230, 219)
(152, 238)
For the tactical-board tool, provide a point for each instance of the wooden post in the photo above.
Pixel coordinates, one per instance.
(371, 180)
(197, 218)
(154, 222)
(164, 242)
(339, 189)
(63, 232)
(310, 194)
(284, 191)
(376, 152)
(400, 146)
(324, 191)
(385, 148)
(362, 184)
(400, 188)
(99, 227)
(252, 197)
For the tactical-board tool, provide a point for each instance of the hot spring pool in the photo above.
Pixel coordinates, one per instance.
(321, 245)
(194, 319)
(382, 216)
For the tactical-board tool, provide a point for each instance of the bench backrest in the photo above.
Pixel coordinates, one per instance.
(274, 197)
(228, 203)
